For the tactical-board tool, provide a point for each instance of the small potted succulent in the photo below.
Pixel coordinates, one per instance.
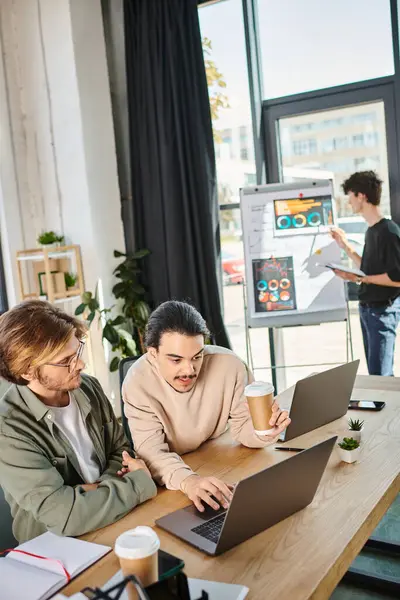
(356, 427)
(70, 280)
(349, 450)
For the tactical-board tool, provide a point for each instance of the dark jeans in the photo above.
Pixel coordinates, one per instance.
(378, 325)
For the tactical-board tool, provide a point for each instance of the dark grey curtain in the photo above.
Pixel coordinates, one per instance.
(172, 155)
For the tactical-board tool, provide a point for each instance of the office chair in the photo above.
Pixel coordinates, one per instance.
(7, 539)
(124, 366)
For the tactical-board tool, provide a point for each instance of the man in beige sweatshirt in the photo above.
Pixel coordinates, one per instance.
(182, 393)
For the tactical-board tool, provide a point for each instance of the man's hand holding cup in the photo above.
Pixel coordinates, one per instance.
(268, 419)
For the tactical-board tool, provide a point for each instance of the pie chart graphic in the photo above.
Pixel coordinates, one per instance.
(299, 220)
(314, 219)
(283, 222)
(262, 285)
(285, 283)
(273, 285)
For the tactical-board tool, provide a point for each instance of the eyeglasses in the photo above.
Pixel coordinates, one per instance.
(72, 363)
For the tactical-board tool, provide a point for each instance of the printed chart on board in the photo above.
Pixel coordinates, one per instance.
(287, 245)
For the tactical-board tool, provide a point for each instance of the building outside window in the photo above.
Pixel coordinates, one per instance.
(304, 147)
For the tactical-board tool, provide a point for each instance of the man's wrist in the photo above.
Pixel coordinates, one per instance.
(187, 481)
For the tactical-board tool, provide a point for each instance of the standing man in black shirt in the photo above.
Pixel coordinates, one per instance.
(379, 293)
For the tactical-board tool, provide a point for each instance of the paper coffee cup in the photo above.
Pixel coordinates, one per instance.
(137, 550)
(260, 398)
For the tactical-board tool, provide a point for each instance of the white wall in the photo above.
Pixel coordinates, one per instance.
(57, 152)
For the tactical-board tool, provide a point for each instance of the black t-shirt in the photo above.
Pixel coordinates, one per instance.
(381, 255)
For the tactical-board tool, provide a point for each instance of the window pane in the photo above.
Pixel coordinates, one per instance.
(222, 25)
(343, 140)
(334, 144)
(309, 44)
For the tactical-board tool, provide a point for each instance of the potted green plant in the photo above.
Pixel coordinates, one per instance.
(124, 332)
(349, 450)
(50, 238)
(70, 280)
(356, 427)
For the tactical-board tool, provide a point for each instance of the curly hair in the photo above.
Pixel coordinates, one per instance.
(364, 182)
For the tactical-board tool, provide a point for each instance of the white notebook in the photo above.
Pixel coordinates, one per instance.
(23, 577)
(340, 267)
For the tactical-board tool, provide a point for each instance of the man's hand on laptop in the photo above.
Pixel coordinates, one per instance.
(201, 489)
(130, 464)
(279, 421)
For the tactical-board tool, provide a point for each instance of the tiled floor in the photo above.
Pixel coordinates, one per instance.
(376, 562)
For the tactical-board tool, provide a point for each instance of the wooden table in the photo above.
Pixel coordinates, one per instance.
(306, 555)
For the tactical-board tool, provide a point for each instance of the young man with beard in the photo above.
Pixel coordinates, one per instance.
(182, 393)
(60, 443)
(379, 293)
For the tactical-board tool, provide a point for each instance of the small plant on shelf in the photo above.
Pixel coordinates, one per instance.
(50, 237)
(70, 280)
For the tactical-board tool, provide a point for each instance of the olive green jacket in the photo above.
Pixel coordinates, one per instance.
(40, 473)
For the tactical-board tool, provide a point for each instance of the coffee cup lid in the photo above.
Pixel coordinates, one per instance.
(137, 543)
(259, 388)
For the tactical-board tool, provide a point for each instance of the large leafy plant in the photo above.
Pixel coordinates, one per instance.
(124, 332)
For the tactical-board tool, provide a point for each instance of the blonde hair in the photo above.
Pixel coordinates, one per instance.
(31, 334)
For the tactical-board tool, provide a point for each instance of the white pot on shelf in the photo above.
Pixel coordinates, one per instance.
(356, 435)
(349, 456)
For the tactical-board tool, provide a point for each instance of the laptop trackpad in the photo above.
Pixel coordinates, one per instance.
(209, 513)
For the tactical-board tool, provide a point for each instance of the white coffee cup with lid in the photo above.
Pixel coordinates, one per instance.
(137, 550)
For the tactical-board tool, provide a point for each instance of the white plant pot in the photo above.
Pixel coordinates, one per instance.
(356, 435)
(349, 456)
(51, 246)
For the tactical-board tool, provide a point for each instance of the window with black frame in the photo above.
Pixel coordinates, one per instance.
(330, 102)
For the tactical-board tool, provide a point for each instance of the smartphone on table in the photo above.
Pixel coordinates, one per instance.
(366, 405)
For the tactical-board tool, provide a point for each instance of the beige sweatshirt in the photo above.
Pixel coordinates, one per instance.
(166, 424)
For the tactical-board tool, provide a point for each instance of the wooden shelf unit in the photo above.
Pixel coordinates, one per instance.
(45, 267)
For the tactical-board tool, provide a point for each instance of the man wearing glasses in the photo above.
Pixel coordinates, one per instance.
(60, 443)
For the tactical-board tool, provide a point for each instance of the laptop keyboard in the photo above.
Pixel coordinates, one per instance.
(210, 529)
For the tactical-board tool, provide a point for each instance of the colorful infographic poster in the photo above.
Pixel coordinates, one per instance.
(274, 284)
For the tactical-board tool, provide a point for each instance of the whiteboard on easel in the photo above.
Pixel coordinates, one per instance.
(286, 246)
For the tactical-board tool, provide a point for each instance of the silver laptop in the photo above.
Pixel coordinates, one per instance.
(319, 399)
(258, 502)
